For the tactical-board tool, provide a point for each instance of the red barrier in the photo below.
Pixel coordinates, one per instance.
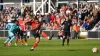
(45, 35)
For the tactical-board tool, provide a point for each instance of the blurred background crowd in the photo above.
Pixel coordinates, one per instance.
(85, 16)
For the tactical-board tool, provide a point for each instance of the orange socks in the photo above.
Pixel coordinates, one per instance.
(16, 39)
(35, 44)
(21, 40)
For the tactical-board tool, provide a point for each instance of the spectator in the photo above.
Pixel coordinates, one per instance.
(60, 34)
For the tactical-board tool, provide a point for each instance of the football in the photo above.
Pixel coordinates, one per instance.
(95, 50)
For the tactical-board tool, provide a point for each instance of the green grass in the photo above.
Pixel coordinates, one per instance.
(52, 48)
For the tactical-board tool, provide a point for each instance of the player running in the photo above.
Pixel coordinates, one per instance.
(22, 33)
(36, 25)
(11, 26)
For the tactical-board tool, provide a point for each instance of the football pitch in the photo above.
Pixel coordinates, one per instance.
(51, 48)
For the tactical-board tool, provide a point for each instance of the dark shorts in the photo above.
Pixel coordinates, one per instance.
(66, 33)
(23, 34)
(35, 33)
(17, 31)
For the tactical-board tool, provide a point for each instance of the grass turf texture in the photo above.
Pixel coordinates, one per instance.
(52, 48)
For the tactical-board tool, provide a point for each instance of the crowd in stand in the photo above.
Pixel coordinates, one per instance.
(85, 16)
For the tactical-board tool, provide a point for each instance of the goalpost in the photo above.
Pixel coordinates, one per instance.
(42, 5)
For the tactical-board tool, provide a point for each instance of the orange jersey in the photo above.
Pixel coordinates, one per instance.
(22, 24)
(76, 28)
(35, 25)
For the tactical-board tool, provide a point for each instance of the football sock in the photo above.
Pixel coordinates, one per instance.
(35, 44)
(21, 40)
(7, 40)
(67, 41)
(25, 40)
(63, 41)
(32, 48)
(16, 39)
